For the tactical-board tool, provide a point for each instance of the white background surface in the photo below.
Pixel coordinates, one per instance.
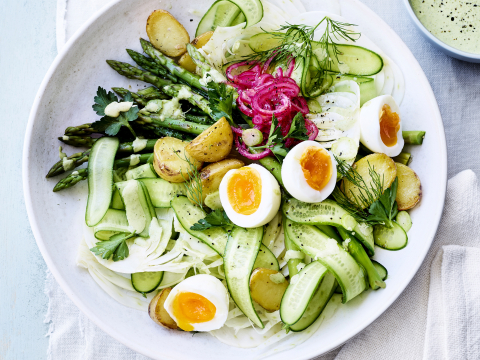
(27, 46)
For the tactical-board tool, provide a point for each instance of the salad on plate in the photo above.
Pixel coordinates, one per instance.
(243, 190)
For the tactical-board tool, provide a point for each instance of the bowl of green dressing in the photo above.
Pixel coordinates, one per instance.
(453, 26)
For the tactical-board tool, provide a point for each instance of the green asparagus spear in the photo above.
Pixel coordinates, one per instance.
(404, 158)
(77, 141)
(198, 58)
(358, 253)
(68, 163)
(151, 93)
(150, 65)
(82, 174)
(413, 137)
(132, 72)
(191, 79)
(144, 117)
(80, 130)
(194, 99)
(138, 99)
(199, 119)
(71, 180)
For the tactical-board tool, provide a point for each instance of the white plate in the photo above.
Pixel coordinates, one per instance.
(65, 98)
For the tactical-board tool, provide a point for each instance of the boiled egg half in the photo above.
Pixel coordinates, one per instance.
(309, 172)
(381, 126)
(198, 303)
(250, 196)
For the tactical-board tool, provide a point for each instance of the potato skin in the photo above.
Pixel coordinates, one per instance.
(264, 291)
(383, 165)
(186, 61)
(157, 312)
(167, 34)
(167, 164)
(211, 175)
(409, 191)
(214, 144)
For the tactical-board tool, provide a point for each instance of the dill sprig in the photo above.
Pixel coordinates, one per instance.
(297, 41)
(371, 205)
(193, 181)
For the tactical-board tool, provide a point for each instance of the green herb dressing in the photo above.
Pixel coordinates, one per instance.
(455, 22)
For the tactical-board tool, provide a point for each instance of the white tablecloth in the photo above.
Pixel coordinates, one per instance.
(455, 84)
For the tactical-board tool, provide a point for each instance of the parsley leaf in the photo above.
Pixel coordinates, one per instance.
(221, 100)
(110, 125)
(217, 218)
(116, 246)
(385, 208)
(297, 129)
(102, 100)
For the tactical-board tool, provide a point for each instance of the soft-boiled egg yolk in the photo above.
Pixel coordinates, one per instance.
(316, 165)
(244, 190)
(191, 308)
(389, 126)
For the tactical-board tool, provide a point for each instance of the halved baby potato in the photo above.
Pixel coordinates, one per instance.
(214, 144)
(157, 311)
(169, 163)
(267, 288)
(167, 34)
(383, 165)
(409, 191)
(186, 61)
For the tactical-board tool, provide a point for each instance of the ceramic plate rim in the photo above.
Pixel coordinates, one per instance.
(66, 286)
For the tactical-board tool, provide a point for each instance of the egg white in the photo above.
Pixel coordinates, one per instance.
(209, 287)
(269, 203)
(370, 126)
(294, 180)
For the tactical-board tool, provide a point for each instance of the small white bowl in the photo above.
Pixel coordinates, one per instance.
(447, 49)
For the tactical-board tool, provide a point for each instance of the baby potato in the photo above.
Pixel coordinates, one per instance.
(156, 310)
(169, 163)
(214, 144)
(383, 165)
(186, 61)
(211, 175)
(167, 34)
(409, 191)
(267, 288)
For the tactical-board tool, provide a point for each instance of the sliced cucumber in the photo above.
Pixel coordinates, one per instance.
(228, 13)
(326, 250)
(394, 238)
(138, 206)
(318, 302)
(146, 282)
(117, 201)
(404, 220)
(114, 222)
(225, 14)
(188, 214)
(358, 60)
(163, 192)
(265, 259)
(358, 253)
(238, 20)
(240, 254)
(141, 172)
(300, 291)
(328, 212)
(382, 270)
(100, 179)
(354, 60)
(290, 245)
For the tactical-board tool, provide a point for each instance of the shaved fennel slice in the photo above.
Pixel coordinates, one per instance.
(108, 281)
(273, 344)
(272, 230)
